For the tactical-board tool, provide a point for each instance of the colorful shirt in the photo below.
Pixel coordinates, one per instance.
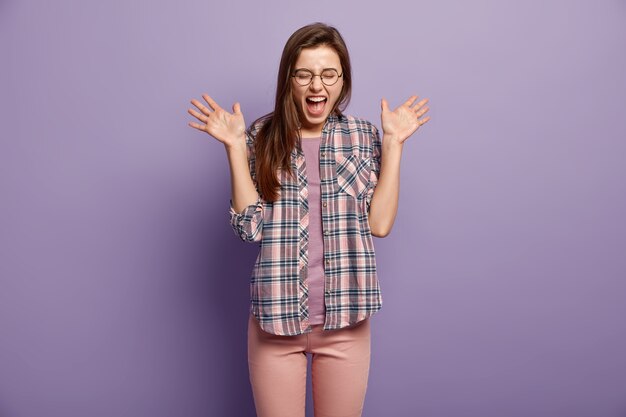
(350, 152)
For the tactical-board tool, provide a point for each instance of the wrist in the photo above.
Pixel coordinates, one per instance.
(236, 145)
(391, 141)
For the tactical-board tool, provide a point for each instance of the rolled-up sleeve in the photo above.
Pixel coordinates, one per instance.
(248, 224)
(375, 166)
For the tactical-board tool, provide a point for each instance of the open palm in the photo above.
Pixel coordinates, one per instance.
(228, 128)
(404, 120)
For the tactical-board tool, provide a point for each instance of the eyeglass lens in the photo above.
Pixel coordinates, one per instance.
(328, 76)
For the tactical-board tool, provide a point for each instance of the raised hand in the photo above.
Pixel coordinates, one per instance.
(402, 122)
(228, 128)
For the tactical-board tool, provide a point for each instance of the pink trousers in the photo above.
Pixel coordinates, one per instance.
(340, 361)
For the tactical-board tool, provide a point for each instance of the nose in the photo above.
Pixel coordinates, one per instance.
(316, 83)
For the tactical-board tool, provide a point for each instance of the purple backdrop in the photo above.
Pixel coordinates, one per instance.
(124, 292)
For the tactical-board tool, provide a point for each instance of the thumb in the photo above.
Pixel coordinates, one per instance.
(237, 108)
(384, 106)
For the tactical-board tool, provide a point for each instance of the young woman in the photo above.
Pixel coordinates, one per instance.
(312, 186)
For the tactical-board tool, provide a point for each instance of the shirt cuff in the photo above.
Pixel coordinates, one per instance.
(246, 223)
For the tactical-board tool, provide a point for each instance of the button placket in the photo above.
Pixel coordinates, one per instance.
(303, 230)
(323, 155)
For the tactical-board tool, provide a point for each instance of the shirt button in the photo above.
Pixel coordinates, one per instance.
(326, 232)
(327, 261)
(324, 204)
(323, 153)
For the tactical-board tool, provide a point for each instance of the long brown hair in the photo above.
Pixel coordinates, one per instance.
(279, 130)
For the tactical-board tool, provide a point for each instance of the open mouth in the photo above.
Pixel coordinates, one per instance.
(316, 105)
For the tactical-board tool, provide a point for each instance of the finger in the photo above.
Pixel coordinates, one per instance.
(422, 111)
(204, 109)
(424, 120)
(419, 104)
(237, 108)
(384, 106)
(410, 101)
(198, 116)
(211, 102)
(197, 126)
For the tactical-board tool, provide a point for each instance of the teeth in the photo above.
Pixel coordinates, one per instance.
(316, 99)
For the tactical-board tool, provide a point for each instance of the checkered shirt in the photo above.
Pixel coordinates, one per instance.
(350, 152)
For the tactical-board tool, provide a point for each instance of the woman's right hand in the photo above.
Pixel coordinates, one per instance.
(228, 128)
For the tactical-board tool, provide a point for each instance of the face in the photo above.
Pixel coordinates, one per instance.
(316, 100)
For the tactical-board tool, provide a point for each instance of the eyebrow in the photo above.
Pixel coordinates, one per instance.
(323, 69)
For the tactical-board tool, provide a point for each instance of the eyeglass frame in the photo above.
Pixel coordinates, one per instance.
(313, 75)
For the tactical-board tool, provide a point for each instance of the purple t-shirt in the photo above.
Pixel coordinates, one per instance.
(315, 276)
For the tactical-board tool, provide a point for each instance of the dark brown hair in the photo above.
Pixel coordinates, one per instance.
(279, 131)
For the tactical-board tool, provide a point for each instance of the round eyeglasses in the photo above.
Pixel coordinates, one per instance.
(304, 77)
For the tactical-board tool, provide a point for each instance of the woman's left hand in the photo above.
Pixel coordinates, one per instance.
(402, 122)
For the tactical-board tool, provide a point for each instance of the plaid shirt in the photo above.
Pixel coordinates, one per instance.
(350, 151)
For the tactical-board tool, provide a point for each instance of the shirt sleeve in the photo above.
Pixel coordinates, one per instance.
(375, 166)
(248, 224)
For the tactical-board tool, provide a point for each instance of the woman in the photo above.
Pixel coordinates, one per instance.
(312, 185)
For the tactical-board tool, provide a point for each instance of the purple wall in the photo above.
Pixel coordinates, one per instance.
(124, 292)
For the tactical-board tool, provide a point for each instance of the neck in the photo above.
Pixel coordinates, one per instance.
(310, 132)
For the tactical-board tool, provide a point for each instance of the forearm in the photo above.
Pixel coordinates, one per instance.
(384, 205)
(243, 191)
